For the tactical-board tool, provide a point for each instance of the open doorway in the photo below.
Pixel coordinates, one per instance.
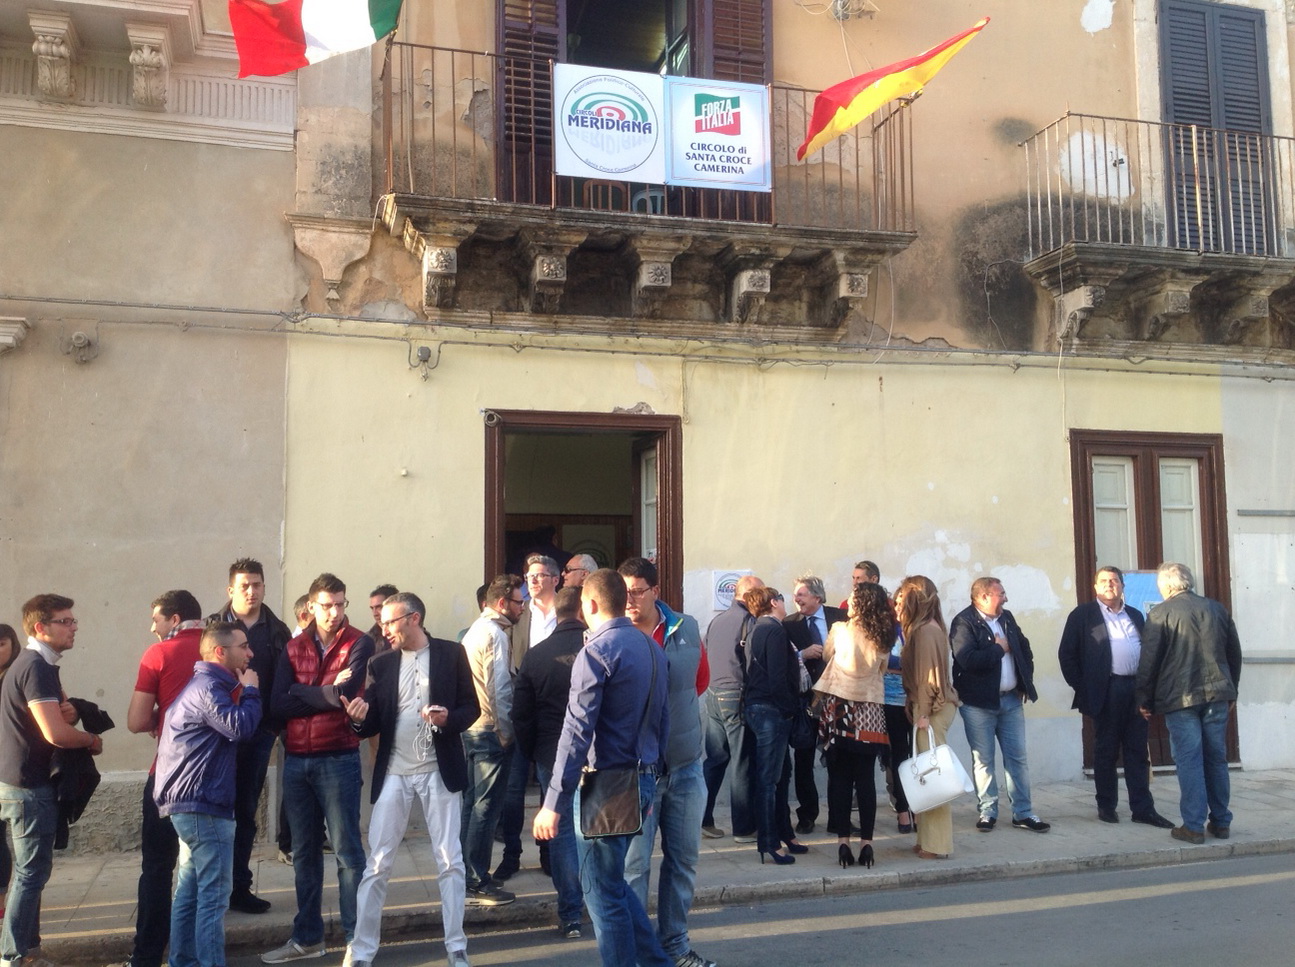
(607, 485)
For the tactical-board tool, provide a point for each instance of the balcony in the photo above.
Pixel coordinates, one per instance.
(1149, 232)
(470, 187)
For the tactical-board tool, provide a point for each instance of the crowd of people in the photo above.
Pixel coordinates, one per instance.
(573, 670)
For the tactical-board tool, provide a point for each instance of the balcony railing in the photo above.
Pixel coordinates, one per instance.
(1126, 182)
(477, 126)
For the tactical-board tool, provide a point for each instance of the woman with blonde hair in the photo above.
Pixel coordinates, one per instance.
(852, 718)
(931, 698)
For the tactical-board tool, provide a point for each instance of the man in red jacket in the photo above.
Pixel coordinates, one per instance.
(321, 774)
(164, 671)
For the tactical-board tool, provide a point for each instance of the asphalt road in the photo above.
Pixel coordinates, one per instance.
(1237, 911)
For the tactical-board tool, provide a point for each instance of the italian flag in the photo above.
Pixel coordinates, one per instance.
(842, 106)
(274, 38)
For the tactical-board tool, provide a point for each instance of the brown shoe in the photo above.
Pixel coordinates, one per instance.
(1217, 831)
(923, 854)
(1188, 835)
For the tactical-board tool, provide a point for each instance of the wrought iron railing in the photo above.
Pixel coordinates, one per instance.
(468, 125)
(1179, 186)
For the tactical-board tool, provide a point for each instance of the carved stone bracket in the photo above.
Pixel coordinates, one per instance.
(547, 256)
(13, 330)
(334, 243)
(747, 294)
(150, 63)
(1162, 306)
(56, 48)
(655, 271)
(1242, 306)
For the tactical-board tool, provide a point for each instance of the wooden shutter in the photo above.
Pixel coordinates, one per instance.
(1215, 77)
(530, 34)
(740, 35)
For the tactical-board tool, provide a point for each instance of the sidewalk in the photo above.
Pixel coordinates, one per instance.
(89, 903)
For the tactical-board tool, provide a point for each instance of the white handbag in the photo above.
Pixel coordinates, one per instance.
(932, 778)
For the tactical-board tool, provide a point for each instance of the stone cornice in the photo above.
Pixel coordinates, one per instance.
(13, 330)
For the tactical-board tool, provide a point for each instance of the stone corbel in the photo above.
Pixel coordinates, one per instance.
(150, 63)
(13, 330)
(1245, 309)
(843, 281)
(547, 256)
(1076, 307)
(438, 255)
(747, 294)
(1162, 306)
(56, 48)
(654, 272)
(334, 243)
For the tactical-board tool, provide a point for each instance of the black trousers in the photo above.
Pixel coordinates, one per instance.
(851, 776)
(159, 851)
(806, 787)
(1120, 731)
(900, 733)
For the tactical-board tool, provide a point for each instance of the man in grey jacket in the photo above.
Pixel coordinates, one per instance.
(681, 791)
(1189, 670)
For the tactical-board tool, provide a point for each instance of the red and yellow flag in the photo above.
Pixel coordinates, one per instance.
(842, 106)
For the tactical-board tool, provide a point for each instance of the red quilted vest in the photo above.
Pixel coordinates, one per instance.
(323, 731)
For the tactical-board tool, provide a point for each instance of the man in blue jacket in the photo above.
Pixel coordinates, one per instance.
(194, 786)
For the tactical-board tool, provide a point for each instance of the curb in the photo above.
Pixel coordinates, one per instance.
(246, 939)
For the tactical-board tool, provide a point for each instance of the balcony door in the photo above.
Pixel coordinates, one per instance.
(1141, 499)
(1214, 85)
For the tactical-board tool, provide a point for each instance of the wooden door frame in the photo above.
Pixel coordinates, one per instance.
(669, 432)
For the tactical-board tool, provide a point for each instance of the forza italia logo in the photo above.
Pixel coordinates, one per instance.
(714, 114)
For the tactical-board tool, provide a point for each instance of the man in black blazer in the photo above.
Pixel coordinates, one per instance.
(807, 629)
(1099, 654)
(417, 699)
(993, 673)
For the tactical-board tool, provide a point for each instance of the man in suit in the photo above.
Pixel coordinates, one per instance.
(1099, 654)
(993, 673)
(418, 699)
(807, 629)
(1189, 670)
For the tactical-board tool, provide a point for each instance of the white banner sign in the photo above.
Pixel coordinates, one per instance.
(719, 134)
(609, 124)
(630, 126)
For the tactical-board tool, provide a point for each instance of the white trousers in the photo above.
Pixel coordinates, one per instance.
(387, 825)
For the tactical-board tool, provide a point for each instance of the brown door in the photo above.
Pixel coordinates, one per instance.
(1141, 499)
(652, 524)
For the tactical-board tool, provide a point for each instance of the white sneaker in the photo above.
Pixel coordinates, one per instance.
(459, 958)
(293, 951)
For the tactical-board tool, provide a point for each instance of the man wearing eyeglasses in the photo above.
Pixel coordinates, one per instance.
(418, 699)
(321, 668)
(680, 797)
(488, 741)
(538, 621)
(35, 719)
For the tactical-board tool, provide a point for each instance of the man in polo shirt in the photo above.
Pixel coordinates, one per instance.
(35, 719)
(164, 671)
(266, 635)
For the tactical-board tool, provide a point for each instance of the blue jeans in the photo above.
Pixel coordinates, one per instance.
(771, 730)
(1006, 724)
(1198, 741)
(251, 762)
(625, 934)
(159, 848)
(483, 801)
(202, 885)
(727, 743)
(513, 814)
(32, 815)
(323, 789)
(676, 811)
(564, 856)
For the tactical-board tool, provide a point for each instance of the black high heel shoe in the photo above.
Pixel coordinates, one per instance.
(844, 856)
(865, 856)
(795, 847)
(781, 859)
(907, 827)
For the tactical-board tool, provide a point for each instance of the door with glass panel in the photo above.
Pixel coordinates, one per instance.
(1144, 498)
